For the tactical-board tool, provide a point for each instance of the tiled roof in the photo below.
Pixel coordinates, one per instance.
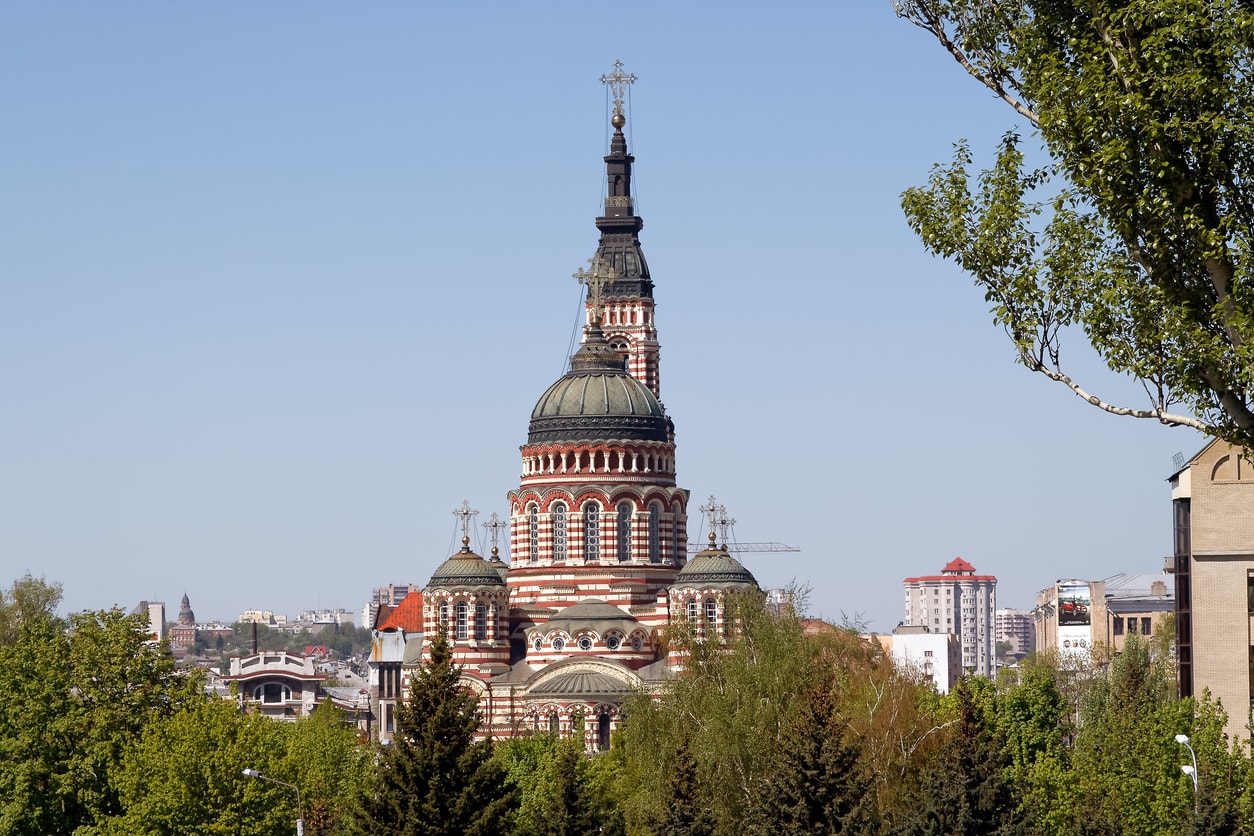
(407, 616)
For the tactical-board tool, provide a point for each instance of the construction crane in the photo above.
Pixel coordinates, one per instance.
(717, 515)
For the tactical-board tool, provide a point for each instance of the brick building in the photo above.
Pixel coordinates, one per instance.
(598, 526)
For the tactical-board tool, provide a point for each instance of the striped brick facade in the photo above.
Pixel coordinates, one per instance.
(628, 325)
(597, 527)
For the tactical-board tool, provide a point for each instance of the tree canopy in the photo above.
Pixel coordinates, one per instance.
(435, 778)
(1138, 229)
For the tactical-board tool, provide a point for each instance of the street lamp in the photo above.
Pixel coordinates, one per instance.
(1191, 771)
(300, 804)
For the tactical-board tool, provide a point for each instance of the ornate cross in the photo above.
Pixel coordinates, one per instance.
(724, 523)
(618, 81)
(466, 513)
(494, 526)
(596, 279)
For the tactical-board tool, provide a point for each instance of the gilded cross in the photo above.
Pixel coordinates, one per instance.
(494, 526)
(618, 81)
(724, 523)
(466, 513)
(596, 279)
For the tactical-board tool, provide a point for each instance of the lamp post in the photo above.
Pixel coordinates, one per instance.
(300, 804)
(1191, 771)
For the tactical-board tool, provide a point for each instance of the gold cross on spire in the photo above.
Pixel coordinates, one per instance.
(596, 279)
(494, 526)
(466, 513)
(724, 523)
(717, 515)
(618, 82)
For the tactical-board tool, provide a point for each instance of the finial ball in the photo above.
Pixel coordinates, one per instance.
(618, 120)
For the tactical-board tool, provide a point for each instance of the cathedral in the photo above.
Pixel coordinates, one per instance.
(575, 623)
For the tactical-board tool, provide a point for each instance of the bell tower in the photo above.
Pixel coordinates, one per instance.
(627, 301)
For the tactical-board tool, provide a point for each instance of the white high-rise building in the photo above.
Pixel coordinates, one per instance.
(961, 602)
(1015, 628)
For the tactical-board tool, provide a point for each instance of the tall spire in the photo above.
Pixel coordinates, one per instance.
(620, 226)
(625, 303)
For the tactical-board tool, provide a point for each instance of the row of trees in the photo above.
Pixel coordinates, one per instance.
(789, 730)
(799, 731)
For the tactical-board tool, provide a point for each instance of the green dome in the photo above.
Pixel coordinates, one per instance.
(597, 400)
(466, 569)
(714, 567)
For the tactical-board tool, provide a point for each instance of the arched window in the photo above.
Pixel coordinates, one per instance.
(463, 612)
(481, 621)
(591, 532)
(655, 533)
(444, 625)
(559, 532)
(603, 731)
(624, 532)
(711, 614)
(693, 610)
(678, 548)
(555, 724)
(533, 531)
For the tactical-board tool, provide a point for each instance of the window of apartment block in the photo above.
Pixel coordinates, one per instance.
(1117, 626)
(1146, 628)
(1131, 625)
(1249, 592)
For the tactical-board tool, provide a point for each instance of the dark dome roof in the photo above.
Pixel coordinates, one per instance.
(597, 400)
(714, 567)
(592, 614)
(466, 569)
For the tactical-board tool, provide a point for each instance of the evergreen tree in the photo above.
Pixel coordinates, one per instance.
(965, 789)
(817, 786)
(685, 814)
(435, 778)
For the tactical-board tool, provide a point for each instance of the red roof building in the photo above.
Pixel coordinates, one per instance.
(958, 601)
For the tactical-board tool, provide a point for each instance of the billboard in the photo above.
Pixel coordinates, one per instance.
(1075, 620)
(1074, 604)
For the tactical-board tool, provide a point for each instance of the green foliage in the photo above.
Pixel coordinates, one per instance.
(1138, 230)
(435, 778)
(733, 709)
(559, 790)
(965, 788)
(817, 786)
(29, 600)
(723, 739)
(186, 774)
(683, 813)
(72, 704)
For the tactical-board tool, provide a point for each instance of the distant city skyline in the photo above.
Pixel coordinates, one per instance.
(270, 273)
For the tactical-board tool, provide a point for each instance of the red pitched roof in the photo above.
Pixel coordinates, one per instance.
(407, 616)
(955, 570)
(958, 565)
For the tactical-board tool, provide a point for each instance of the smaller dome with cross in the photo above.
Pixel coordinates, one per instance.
(466, 570)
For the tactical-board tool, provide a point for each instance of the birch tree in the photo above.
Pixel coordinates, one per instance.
(1137, 227)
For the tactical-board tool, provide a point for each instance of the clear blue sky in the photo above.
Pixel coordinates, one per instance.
(282, 282)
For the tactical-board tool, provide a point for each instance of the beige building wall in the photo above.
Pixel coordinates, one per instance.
(1213, 497)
